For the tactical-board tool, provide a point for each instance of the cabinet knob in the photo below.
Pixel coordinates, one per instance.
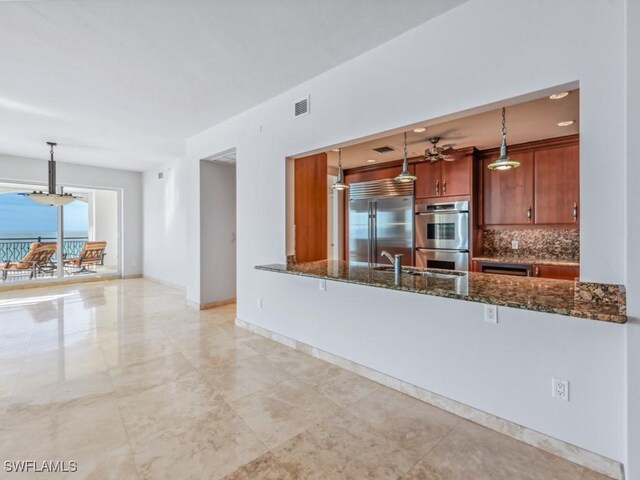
(444, 187)
(437, 187)
(529, 213)
(537, 271)
(575, 212)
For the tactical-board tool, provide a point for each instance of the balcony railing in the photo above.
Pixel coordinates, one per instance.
(15, 249)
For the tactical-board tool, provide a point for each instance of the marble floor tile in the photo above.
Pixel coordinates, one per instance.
(169, 405)
(339, 385)
(206, 447)
(265, 467)
(282, 411)
(243, 377)
(344, 447)
(150, 373)
(291, 361)
(472, 451)
(211, 351)
(414, 426)
(122, 353)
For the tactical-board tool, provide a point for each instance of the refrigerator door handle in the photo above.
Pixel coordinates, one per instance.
(369, 220)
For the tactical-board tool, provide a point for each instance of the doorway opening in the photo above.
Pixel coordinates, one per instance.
(218, 229)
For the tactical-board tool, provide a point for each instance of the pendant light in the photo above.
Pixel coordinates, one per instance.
(503, 162)
(405, 176)
(339, 183)
(52, 198)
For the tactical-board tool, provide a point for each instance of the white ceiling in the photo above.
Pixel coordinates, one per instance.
(533, 120)
(122, 83)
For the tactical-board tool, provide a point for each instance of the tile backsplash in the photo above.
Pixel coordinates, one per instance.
(557, 243)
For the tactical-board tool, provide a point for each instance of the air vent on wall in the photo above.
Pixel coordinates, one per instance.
(160, 175)
(385, 149)
(302, 107)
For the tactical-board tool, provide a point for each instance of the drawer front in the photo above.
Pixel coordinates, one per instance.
(556, 271)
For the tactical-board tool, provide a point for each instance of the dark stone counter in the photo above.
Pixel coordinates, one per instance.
(538, 294)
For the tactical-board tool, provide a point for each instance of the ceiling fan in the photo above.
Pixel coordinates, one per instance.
(446, 152)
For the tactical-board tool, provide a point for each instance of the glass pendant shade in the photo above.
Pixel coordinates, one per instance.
(405, 176)
(503, 162)
(55, 200)
(339, 183)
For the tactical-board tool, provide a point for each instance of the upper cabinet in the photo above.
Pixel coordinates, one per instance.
(508, 194)
(443, 179)
(543, 190)
(373, 174)
(557, 186)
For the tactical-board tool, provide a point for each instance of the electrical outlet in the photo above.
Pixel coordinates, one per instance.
(323, 285)
(491, 313)
(514, 244)
(560, 389)
(259, 303)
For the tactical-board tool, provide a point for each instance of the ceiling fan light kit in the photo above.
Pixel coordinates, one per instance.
(503, 162)
(52, 198)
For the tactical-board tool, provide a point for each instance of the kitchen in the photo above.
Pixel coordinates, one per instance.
(473, 207)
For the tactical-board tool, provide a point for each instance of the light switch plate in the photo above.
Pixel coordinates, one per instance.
(323, 285)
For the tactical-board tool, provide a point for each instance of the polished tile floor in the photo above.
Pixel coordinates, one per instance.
(126, 380)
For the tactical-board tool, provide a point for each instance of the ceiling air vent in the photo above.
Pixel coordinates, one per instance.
(385, 149)
(301, 108)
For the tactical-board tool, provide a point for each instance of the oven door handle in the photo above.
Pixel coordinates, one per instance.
(443, 212)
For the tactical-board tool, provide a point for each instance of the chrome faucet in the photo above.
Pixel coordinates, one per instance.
(396, 263)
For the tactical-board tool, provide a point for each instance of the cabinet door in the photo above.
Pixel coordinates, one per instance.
(560, 272)
(428, 183)
(508, 194)
(310, 200)
(557, 185)
(456, 177)
(376, 174)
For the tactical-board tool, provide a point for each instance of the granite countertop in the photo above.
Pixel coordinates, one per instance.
(538, 294)
(560, 262)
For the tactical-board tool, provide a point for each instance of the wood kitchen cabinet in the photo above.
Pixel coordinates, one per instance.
(443, 179)
(560, 272)
(508, 194)
(374, 174)
(557, 185)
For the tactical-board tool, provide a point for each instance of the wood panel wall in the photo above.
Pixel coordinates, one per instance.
(310, 201)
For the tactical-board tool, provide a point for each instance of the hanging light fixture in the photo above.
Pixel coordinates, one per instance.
(503, 162)
(405, 176)
(339, 183)
(52, 198)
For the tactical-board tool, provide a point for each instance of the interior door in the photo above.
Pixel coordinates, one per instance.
(393, 228)
(359, 230)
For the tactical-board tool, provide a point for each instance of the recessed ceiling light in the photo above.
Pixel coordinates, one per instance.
(335, 149)
(419, 129)
(566, 123)
(371, 160)
(558, 96)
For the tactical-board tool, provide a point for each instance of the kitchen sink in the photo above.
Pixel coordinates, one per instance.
(424, 272)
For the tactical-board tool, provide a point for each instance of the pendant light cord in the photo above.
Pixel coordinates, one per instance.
(504, 123)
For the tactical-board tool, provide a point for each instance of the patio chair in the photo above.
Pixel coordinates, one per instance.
(92, 253)
(37, 260)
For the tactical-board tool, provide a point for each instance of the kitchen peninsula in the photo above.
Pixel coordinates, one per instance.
(563, 297)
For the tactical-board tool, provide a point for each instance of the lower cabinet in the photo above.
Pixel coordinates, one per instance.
(560, 272)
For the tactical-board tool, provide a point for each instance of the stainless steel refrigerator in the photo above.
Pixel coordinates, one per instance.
(380, 218)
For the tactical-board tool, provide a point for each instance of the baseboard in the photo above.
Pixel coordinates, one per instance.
(53, 282)
(585, 458)
(165, 283)
(132, 276)
(219, 303)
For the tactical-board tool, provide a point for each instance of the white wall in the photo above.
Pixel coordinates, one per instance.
(489, 50)
(633, 239)
(22, 169)
(218, 232)
(106, 223)
(165, 225)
